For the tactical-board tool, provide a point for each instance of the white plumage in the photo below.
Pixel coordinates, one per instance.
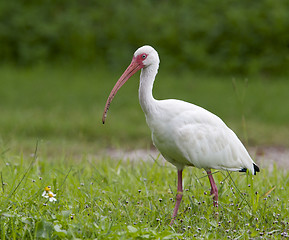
(185, 134)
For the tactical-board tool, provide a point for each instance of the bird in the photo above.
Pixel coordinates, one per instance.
(184, 133)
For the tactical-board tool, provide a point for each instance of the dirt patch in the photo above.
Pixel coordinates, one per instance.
(270, 156)
(265, 157)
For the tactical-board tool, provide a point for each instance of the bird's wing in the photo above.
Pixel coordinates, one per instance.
(186, 134)
(205, 140)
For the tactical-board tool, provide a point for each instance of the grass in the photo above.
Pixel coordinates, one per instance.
(102, 198)
(63, 107)
(108, 199)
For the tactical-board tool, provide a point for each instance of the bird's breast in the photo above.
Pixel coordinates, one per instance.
(164, 136)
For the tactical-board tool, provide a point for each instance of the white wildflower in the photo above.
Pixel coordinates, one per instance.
(46, 191)
(51, 196)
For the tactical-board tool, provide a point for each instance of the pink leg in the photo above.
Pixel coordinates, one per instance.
(214, 189)
(179, 196)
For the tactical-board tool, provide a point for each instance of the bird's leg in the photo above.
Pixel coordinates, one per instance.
(179, 196)
(214, 189)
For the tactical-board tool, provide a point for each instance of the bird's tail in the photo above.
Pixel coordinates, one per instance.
(256, 168)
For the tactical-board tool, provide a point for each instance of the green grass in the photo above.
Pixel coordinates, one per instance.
(109, 199)
(63, 106)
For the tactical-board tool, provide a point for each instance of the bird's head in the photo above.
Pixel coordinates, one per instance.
(143, 57)
(146, 56)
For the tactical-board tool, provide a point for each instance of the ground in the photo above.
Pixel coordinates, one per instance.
(264, 156)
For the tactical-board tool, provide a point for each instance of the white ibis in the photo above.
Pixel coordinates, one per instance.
(185, 134)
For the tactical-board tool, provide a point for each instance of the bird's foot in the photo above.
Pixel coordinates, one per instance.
(215, 203)
(214, 193)
(172, 221)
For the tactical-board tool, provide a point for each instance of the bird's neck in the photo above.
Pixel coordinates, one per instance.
(146, 99)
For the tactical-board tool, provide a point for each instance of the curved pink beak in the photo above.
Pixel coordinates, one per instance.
(131, 70)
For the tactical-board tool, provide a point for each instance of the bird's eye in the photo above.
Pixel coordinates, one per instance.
(144, 56)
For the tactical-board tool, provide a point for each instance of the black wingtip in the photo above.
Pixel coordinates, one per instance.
(256, 168)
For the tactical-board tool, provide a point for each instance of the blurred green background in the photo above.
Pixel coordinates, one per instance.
(60, 59)
(238, 37)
